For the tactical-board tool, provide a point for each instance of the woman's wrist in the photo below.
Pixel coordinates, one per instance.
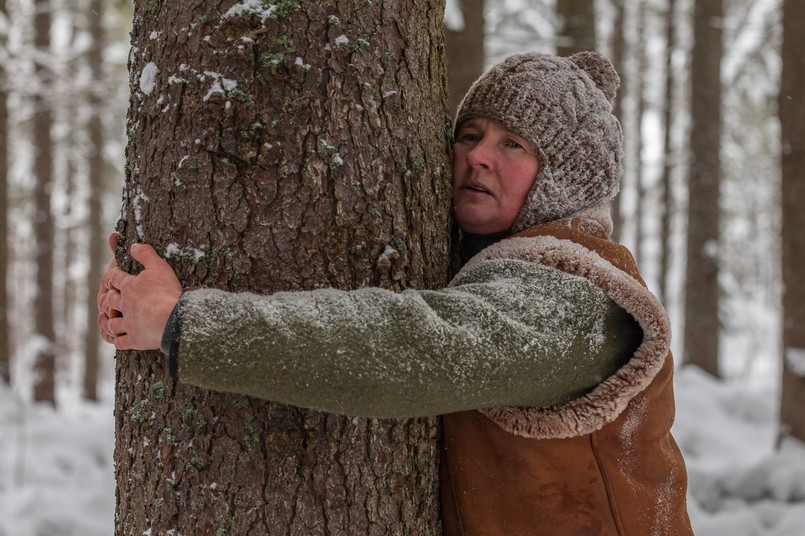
(169, 344)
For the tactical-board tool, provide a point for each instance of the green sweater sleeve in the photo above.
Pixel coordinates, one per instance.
(511, 333)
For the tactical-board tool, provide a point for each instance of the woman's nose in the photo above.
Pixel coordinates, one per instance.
(481, 155)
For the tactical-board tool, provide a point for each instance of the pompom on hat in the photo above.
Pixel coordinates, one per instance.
(564, 107)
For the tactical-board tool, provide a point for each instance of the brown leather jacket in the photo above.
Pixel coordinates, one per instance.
(605, 464)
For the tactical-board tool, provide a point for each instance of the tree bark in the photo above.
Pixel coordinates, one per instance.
(5, 342)
(577, 31)
(701, 289)
(97, 241)
(465, 53)
(45, 360)
(281, 147)
(792, 121)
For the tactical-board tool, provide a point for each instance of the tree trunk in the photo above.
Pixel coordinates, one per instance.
(701, 289)
(281, 147)
(792, 120)
(577, 26)
(640, 95)
(45, 360)
(5, 342)
(666, 204)
(465, 53)
(619, 62)
(97, 240)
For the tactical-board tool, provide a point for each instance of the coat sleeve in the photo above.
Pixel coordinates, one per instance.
(510, 333)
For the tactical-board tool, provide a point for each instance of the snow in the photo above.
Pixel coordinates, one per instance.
(56, 473)
(248, 7)
(454, 16)
(220, 85)
(795, 360)
(740, 485)
(148, 78)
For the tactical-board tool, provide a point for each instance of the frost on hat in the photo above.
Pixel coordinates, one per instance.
(564, 107)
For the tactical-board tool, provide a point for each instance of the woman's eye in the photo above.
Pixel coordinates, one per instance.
(514, 144)
(469, 137)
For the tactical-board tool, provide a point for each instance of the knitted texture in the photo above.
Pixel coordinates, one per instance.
(564, 107)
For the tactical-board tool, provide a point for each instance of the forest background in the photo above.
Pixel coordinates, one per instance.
(704, 211)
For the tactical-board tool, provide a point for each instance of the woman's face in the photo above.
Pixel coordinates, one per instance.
(493, 171)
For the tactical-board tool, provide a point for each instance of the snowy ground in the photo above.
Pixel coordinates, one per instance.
(56, 468)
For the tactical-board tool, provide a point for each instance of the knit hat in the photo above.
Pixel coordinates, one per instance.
(564, 107)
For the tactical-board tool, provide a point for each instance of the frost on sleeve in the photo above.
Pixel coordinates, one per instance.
(607, 400)
(511, 332)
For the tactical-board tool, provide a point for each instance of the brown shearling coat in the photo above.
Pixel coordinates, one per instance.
(601, 465)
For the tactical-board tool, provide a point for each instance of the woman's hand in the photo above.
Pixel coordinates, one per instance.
(133, 309)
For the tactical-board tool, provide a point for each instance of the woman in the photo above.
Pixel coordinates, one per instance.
(546, 354)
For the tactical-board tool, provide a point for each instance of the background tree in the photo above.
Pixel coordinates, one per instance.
(69, 104)
(307, 148)
(618, 48)
(666, 192)
(702, 325)
(95, 224)
(792, 120)
(45, 358)
(465, 52)
(639, 143)
(577, 26)
(5, 343)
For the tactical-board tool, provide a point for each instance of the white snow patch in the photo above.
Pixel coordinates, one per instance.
(148, 77)
(389, 254)
(795, 360)
(171, 250)
(136, 201)
(153, 36)
(341, 41)
(175, 250)
(220, 85)
(249, 7)
(710, 249)
(454, 16)
(301, 63)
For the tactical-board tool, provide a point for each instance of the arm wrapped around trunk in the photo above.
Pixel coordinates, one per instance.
(511, 332)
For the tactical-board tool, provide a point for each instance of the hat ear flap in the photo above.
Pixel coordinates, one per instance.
(600, 70)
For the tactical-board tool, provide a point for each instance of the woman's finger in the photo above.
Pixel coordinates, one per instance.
(112, 241)
(117, 277)
(114, 303)
(116, 326)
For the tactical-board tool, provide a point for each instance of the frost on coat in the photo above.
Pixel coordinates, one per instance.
(508, 332)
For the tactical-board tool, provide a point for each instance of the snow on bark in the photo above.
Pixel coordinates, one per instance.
(148, 78)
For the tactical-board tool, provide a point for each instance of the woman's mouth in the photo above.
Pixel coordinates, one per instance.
(477, 188)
